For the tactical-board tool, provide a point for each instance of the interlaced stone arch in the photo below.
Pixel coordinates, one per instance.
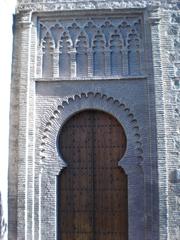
(48, 46)
(97, 60)
(82, 54)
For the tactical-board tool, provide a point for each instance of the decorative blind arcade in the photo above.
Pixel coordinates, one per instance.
(94, 47)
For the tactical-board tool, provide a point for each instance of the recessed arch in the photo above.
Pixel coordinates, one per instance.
(63, 110)
(51, 163)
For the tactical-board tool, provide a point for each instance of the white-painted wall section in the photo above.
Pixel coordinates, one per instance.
(7, 8)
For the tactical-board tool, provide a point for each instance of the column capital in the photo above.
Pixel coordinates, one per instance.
(24, 18)
(154, 15)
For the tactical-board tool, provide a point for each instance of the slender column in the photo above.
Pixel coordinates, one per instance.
(90, 63)
(39, 62)
(125, 62)
(107, 62)
(142, 61)
(56, 63)
(73, 63)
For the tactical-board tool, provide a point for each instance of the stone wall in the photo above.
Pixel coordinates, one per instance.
(96, 4)
(170, 43)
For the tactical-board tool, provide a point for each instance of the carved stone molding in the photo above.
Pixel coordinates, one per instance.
(78, 5)
(154, 15)
(24, 18)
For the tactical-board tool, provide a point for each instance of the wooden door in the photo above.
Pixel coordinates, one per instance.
(92, 190)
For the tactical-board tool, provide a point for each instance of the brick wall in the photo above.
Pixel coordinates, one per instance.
(34, 97)
(6, 21)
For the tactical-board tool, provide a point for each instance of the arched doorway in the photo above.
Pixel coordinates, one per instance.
(92, 190)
